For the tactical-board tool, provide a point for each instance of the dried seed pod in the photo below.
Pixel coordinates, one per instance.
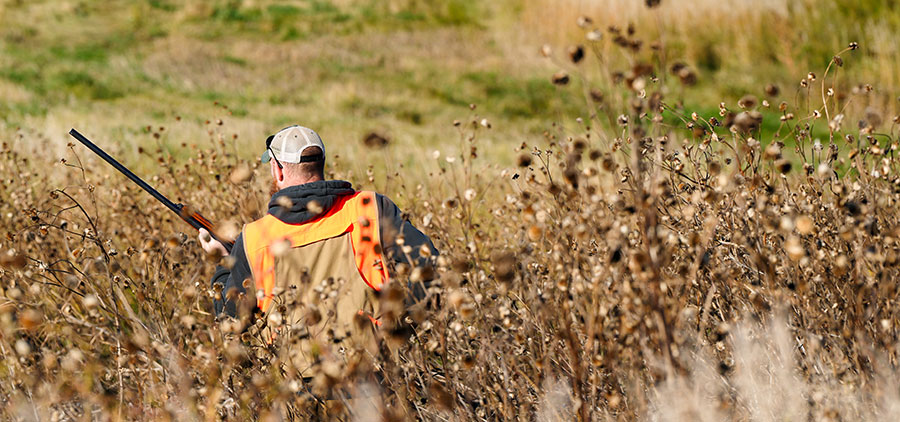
(687, 76)
(747, 121)
(546, 50)
(535, 233)
(576, 53)
(804, 225)
(12, 260)
(240, 174)
(375, 140)
(783, 166)
(560, 78)
(747, 102)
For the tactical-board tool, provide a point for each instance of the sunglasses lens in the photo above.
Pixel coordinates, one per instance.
(269, 140)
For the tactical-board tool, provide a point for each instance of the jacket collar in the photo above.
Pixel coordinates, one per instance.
(307, 201)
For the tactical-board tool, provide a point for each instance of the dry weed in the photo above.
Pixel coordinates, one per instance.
(624, 270)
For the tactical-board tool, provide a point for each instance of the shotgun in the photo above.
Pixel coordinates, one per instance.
(196, 220)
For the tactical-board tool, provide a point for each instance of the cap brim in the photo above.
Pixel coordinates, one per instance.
(266, 157)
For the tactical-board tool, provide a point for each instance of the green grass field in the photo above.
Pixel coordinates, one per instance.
(408, 73)
(404, 69)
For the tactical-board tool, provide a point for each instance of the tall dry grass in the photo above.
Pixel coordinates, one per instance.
(739, 46)
(678, 266)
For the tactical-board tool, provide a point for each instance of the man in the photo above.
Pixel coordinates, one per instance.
(314, 263)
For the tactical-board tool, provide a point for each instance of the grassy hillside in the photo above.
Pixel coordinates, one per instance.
(738, 46)
(405, 69)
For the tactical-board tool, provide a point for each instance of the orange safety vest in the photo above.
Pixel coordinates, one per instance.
(356, 214)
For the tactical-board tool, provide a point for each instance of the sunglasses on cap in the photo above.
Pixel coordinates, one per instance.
(303, 159)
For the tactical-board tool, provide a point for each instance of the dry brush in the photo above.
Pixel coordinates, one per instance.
(643, 262)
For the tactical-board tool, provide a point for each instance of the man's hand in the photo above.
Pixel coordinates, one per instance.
(210, 245)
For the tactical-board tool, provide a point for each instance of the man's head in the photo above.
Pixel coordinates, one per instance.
(299, 157)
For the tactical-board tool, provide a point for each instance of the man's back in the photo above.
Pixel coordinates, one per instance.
(315, 262)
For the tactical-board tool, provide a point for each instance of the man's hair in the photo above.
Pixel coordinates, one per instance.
(307, 170)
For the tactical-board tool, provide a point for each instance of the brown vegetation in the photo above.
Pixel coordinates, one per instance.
(627, 269)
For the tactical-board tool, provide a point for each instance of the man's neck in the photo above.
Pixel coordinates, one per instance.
(299, 182)
(311, 180)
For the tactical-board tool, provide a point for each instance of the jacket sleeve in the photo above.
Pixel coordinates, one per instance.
(393, 224)
(231, 281)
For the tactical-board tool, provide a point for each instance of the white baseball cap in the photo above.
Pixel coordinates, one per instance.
(289, 143)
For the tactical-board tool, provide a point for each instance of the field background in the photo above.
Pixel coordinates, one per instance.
(404, 69)
(688, 218)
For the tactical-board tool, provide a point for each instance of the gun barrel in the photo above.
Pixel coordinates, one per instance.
(122, 169)
(195, 220)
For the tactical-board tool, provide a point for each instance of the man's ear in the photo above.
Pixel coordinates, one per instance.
(277, 173)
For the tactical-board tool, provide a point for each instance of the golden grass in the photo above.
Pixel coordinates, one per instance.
(645, 262)
(661, 271)
(739, 44)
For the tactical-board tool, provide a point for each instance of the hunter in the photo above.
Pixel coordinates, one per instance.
(321, 253)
